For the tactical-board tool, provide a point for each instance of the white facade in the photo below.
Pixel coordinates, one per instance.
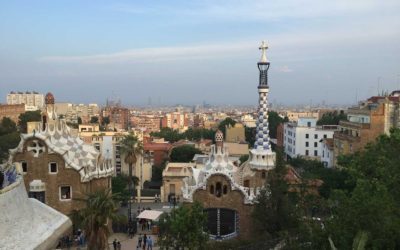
(327, 152)
(31, 99)
(304, 138)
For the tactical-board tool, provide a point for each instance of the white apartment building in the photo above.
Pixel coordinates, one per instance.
(327, 156)
(304, 137)
(32, 100)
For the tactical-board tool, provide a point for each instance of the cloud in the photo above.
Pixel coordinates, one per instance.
(258, 10)
(288, 46)
(285, 69)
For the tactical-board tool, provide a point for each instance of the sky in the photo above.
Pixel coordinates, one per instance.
(190, 52)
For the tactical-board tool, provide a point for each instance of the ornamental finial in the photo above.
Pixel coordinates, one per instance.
(264, 48)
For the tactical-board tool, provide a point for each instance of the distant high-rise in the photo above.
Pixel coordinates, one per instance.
(32, 99)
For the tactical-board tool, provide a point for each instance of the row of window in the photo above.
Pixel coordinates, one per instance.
(316, 136)
(53, 167)
(315, 144)
(315, 152)
(219, 189)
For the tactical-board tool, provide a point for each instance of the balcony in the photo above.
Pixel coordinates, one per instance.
(354, 125)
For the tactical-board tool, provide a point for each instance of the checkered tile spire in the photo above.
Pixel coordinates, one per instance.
(262, 131)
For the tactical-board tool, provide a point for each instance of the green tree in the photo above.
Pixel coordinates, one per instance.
(373, 206)
(274, 119)
(94, 119)
(227, 122)
(250, 134)
(105, 121)
(79, 120)
(9, 137)
(243, 158)
(183, 228)
(184, 153)
(100, 210)
(119, 186)
(332, 118)
(273, 214)
(28, 116)
(131, 148)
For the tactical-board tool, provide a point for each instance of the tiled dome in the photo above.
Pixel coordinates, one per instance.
(49, 99)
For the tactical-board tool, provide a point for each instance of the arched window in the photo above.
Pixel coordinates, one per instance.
(225, 189)
(218, 189)
(263, 175)
(246, 183)
(212, 189)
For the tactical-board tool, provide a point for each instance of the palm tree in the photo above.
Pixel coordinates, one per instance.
(100, 210)
(131, 147)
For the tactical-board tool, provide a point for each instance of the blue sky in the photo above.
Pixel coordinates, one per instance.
(193, 51)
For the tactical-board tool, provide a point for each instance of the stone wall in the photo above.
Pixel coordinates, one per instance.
(231, 200)
(38, 169)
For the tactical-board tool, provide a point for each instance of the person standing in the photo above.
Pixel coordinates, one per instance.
(140, 240)
(149, 243)
(144, 241)
(115, 244)
(119, 245)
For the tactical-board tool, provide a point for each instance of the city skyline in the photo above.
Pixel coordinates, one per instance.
(187, 53)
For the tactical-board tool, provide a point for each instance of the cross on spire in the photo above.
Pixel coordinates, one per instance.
(264, 48)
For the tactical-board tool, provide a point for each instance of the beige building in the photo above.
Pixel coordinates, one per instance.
(108, 143)
(33, 100)
(12, 111)
(173, 176)
(235, 133)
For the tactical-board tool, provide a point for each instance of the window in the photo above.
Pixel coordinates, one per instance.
(53, 168)
(24, 166)
(225, 189)
(306, 143)
(308, 124)
(315, 144)
(325, 136)
(307, 152)
(315, 152)
(97, 146)
(323, 153)
(307, 136)
(218, 189)
(316, 136)
(212, 189)
(246, 183)
(263, 175)
(65, 193)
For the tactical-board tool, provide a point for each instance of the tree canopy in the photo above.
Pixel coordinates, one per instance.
(193, 134)
(274, 119)
(183, 228)
(332, 118)
(9, 137)
(28, 116)
(183, 153)
(222, 125)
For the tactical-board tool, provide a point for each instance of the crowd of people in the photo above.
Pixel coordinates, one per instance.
(144, 242)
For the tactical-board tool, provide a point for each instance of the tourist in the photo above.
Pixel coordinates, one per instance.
(115, 244)
(149, 244)
(119, 245)
(140, 240)
(144, 241)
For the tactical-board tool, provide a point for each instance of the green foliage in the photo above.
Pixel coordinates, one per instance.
(183, 228)
(228, 121)
(156, 171)
(28, 116)
(332, 118)
(105, 121)
(332, 179)
(250, 134)
(100, 210)
(94, 119)
(274, 119)
(373, 206)
(193, 134)
(119, 186)
(273, 214)
(183, 153)
(243, 158)
(9, 137)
